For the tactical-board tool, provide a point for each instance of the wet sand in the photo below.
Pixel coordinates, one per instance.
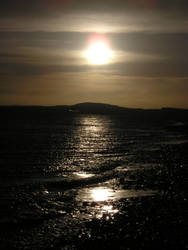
(108, 187)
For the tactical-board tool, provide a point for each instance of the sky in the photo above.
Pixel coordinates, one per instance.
(43, 47)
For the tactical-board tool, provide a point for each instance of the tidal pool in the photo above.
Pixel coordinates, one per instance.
(103, 194)
(101, 201)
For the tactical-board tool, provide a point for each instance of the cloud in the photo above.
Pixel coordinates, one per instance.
(91, 20)
(135, 53)
(42, 7)
(165, 45)
(147, 69)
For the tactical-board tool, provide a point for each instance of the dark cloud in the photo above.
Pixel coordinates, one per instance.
(162, 69)
(152, 69)
(20, 7)
(22, 69)
(52, 7)
(11, 56)
(168, 45)
(41, 35)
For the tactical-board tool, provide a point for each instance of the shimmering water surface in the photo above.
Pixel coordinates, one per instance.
(58, 175)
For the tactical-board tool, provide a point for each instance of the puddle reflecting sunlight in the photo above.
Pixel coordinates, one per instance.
(99, 202)
(107, 210)
(83, 175)
(105, 194)
(102, 194)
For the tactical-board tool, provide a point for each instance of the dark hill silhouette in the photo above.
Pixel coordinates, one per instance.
(171, 117)
(88, 107)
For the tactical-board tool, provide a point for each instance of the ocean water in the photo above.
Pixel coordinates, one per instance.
(57, 174)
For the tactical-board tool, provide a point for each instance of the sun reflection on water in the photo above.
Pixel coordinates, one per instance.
(83, 175)
(97, 194)
(100, 202)
(101, 194)
(107, 211)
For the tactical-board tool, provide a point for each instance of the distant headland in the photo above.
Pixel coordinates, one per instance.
(170, 116)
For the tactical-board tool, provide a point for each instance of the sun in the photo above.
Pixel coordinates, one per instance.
(98, 51)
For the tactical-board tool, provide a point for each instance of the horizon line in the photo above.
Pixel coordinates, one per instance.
(70, 105)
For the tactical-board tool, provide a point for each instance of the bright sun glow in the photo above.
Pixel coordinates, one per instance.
(98, 52)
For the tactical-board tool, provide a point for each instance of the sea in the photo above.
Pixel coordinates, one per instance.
(91, 181)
